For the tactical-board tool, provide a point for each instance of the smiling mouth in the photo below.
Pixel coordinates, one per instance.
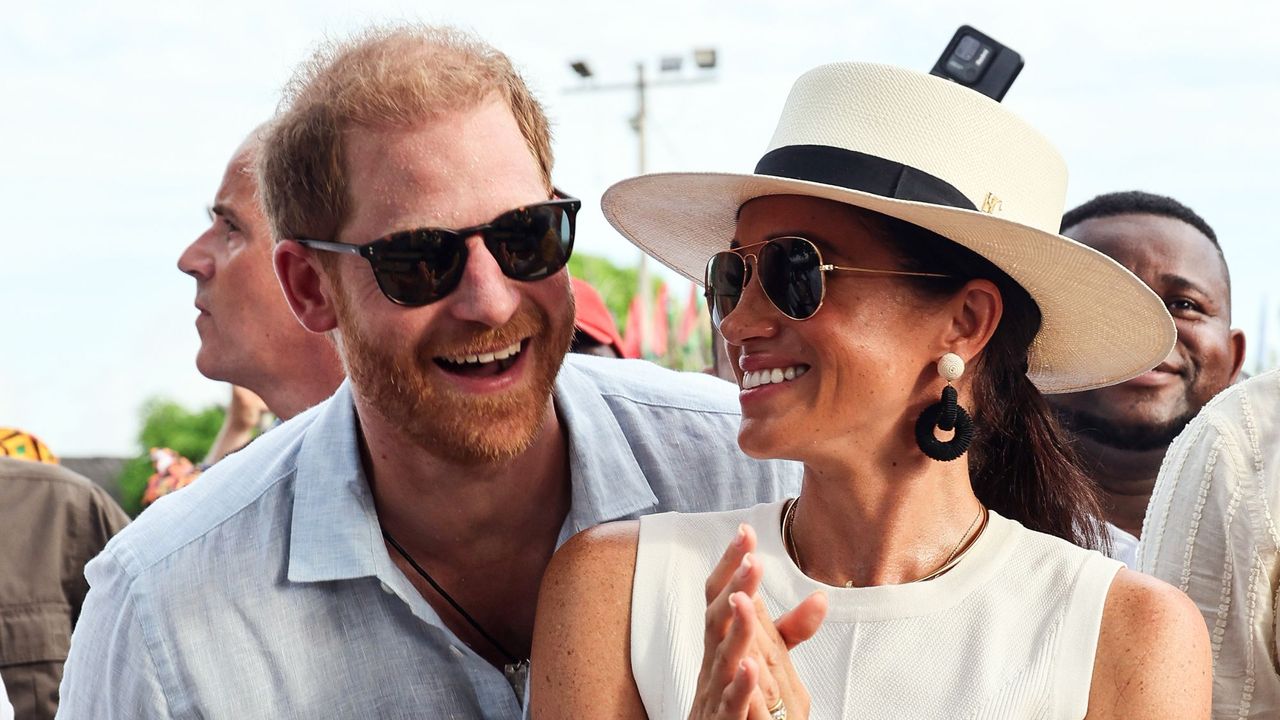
(485, 364)
(770, 376)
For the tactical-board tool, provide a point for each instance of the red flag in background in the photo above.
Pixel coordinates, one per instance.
(631, 339)
(689, 318)
(661, 328)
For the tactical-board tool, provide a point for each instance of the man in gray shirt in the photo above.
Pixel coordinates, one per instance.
(379, 556)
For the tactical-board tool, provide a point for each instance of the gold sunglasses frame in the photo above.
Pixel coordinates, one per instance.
(823, 267)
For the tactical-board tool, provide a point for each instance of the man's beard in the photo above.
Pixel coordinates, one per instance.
(1136, 437)
(394, 378)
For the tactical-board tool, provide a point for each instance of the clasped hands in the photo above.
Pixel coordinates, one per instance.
(746, 671)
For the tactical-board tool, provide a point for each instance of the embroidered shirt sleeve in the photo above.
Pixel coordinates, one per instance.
(1210, 531)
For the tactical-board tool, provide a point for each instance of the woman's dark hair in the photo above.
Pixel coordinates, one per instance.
(1022, 464)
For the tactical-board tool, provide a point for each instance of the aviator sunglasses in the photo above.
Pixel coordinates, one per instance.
(419, 267)
(791, 273)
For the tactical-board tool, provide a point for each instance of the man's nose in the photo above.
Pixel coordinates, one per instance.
(484, 295)
(196, 260)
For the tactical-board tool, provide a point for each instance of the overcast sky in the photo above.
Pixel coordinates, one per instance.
(117, 120)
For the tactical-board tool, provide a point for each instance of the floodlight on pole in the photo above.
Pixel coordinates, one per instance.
(670, 67)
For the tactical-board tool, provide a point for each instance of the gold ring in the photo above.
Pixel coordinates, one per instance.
(778, 711)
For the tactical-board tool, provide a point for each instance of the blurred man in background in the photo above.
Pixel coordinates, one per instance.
(52, 522)
(248, 335)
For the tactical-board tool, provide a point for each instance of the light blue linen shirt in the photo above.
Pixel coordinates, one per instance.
(264, 589)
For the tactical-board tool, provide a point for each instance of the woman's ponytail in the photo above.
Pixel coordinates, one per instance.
(1023, 465)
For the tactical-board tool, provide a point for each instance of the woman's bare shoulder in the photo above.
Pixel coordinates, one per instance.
(581, 639)
(1153, 657)
(603, 552)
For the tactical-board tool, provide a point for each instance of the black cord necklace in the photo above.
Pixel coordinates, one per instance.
(516, 670)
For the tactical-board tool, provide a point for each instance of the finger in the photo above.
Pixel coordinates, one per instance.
(743, 542)
(737, 641)
(745, 579)
(758, 707)
(778, 674)
(719, 613)
(758, 645)
(801, 622)
(736, 698)
(774, 681)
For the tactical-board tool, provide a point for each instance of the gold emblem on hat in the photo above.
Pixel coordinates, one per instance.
(991, 204)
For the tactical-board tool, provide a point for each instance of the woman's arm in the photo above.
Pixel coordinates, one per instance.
(581, 663)
(1153, 656)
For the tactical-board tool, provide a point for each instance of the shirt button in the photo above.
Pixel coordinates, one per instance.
(387, 589)
(457, 652)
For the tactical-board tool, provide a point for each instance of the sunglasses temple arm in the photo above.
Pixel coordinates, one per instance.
(330, 246)
(827, 268)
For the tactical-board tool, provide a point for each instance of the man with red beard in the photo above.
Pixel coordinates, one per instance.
(380, 555)
(1124, 430)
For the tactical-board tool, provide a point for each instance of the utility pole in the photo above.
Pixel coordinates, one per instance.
(705, 59)
(638, 122)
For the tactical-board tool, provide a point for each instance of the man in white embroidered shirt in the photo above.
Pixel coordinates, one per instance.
(379, 556)
(1212, 531)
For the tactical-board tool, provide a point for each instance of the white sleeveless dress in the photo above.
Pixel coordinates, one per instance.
(1009, 632)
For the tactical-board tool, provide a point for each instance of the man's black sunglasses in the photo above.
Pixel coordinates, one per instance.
(419, 267)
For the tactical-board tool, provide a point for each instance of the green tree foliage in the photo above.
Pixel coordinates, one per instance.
(165, 423)
(616, 284)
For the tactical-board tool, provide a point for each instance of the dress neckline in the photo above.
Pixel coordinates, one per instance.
(785, 583)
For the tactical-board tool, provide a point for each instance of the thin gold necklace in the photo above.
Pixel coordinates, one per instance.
(789, 542)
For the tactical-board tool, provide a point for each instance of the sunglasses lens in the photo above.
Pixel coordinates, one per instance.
(790, 275)
(420, 266)
(726, 273)
(532, 243)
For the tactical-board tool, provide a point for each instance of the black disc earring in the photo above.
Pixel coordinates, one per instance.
(946, 415)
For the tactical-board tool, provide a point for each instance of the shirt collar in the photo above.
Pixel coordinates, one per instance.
(607, 480)
(335, 533)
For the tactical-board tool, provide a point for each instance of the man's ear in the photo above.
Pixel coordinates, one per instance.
(976, 310)
(305, 288)
(1236, 338)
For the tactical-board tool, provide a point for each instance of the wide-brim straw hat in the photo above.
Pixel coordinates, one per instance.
(945, 158)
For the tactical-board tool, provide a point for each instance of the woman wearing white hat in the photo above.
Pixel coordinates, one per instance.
(895, 300)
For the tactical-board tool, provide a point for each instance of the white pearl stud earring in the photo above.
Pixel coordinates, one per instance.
(950, 367)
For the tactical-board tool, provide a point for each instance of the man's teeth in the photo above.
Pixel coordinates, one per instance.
(756, 378)
(502, 354)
